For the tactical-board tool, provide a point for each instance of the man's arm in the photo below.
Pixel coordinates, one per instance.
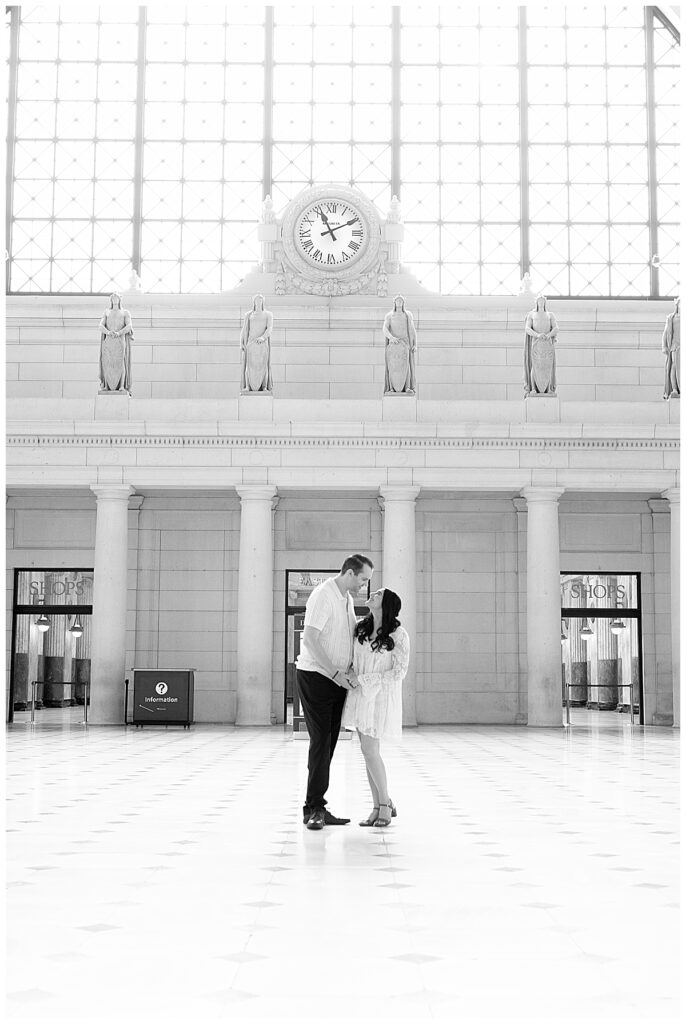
(311, 636)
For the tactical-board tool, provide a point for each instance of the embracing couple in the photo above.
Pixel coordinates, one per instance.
(350, 673)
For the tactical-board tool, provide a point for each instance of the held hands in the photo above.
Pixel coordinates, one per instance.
(348, 680)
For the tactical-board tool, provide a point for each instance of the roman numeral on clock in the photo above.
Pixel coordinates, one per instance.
(354, 246)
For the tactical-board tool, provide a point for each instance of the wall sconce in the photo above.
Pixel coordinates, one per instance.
(617, 625)
(585, 631)
(76, 629)
(43, 622)
(563, 632)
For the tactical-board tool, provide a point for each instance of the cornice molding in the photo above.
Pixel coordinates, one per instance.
(229, 441)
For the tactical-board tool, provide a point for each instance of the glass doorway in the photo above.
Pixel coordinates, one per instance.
(602, 655)
(51, 644)
(299, 585)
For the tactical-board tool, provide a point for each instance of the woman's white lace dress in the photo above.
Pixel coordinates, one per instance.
(375, 707)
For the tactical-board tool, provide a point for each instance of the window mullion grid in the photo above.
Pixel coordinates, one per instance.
(649, 28)
(524, 218)
(137, 233)
(184, 143)
(53, 183)
(311, 140)
(568, 182)
(440, 160)
(15, 18)
(480, 150)
(96, 122)
(610, 234)
(395, 103)
(268, 112)
(222, 205)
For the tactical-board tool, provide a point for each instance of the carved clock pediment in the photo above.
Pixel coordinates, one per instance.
(330, 240)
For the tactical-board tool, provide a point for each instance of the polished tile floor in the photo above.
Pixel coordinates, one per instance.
(166, 874)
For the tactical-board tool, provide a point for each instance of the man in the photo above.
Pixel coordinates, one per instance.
(322, 672)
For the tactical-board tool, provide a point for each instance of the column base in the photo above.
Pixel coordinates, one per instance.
(256, 406)
(542, 408)
(109, 405)
(400, 408)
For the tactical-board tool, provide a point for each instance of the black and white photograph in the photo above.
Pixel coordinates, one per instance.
(343, 512)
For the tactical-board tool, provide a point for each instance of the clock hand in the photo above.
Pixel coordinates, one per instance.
(330, 231)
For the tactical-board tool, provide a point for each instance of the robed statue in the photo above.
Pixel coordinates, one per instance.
(116, 335)
(256, 371)
(540, 335)
(401, 346)
(671, 346)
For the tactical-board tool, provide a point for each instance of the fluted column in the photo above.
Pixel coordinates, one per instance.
(399, 573)
(255, 626)
(108, 652)
(543, 608)
(673, 495)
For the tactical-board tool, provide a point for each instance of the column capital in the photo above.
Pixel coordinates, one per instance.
(256, 492)
(392, 493)
(672, 494)
(542, 494)
(112, 492)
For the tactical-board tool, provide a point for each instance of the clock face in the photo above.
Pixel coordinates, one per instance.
(330, 233)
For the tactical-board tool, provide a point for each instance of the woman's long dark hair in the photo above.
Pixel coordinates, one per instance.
(390, 606)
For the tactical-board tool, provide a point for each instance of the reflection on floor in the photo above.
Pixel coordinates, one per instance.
(166, 874)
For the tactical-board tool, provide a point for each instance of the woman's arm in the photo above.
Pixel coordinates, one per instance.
(399, 664)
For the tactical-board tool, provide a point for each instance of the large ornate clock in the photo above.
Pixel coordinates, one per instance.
(330, 243)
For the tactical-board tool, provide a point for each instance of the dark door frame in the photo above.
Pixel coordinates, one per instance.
(613, 613)
(46, 609)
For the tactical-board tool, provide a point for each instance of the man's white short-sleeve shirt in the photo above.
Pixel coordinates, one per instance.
(333, 614)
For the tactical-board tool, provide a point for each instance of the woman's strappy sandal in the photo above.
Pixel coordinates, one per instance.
(372, 817)
(382, 821)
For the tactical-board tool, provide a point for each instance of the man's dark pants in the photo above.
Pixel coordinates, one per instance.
(322, 704)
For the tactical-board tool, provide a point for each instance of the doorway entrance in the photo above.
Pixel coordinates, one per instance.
(602, 653)
(299, 585)
(51, 644)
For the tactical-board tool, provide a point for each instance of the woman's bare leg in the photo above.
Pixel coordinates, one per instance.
(372, 786)
(376, 770)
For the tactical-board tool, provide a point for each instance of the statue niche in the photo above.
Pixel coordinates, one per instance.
(539, 350)
(401, 345)
(671, 347)
(116, 335)
(256, 373)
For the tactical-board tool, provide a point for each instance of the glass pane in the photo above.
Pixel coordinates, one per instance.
(52, 648)
(600, 663)
(51, 659)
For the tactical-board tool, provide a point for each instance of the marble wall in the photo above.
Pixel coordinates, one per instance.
(471, 570)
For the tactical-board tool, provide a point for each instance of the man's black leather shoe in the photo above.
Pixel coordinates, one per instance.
(316, 820)
(331, 819)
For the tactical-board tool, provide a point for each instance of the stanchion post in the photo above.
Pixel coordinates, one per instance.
(33, 701)
(568, 688)
(86, 691)
(126, 700)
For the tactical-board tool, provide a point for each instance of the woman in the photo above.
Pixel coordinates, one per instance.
(381, 652)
